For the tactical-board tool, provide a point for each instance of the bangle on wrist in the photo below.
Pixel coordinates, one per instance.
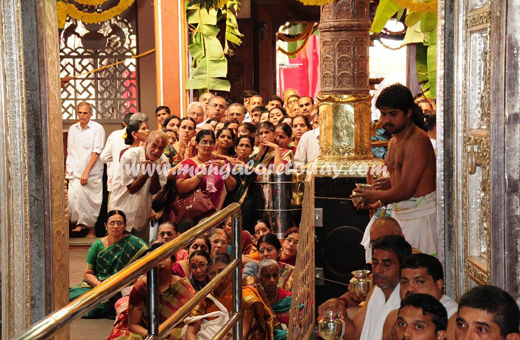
(200, 175)
(345, 302)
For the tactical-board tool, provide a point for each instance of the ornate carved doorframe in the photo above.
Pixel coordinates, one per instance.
(478, 143)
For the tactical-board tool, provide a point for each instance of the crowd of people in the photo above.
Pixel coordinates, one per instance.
(163, 182)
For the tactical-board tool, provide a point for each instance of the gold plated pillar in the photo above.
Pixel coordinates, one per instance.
(345, 114)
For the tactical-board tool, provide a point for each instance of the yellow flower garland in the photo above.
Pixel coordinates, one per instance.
(416, 6)
(66, 9)
(91, 2)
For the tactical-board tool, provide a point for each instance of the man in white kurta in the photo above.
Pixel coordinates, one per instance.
(142, 172)
(367, 323)
(85, 169)
(110, 155)
(308, 148)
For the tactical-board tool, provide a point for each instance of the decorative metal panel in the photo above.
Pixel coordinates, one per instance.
(86, 47)
(476, 4)
(475, 147)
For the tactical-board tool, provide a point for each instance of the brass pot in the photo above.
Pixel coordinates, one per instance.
(361, 282)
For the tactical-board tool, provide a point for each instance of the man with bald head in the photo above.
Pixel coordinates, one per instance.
(84, 170)
(384, 226)
(142, 173)
(205, 98)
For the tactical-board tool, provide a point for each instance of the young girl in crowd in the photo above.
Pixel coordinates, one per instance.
(172, 123)
(276, 115)
(183, 149)
(270, 153)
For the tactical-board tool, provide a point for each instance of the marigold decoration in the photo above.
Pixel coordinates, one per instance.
(306, 32)
(305, 35)
(91, 2)
(417, 6)
(315, 2)
(67, 9)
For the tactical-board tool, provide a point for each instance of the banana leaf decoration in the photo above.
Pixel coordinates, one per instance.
(421, 30)
(209, 66)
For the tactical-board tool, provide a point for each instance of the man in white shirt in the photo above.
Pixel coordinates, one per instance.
(113, 147)
(85, 171)
(389, 252)
(308, 148)
(142, 172)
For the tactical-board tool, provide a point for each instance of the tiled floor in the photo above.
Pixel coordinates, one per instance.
(85, 329)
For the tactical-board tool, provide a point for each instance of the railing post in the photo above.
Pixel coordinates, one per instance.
(237, 275)
(153, 302)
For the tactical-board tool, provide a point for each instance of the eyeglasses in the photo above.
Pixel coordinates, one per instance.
(201, 265)
(167, 233)
(207, 142)
(113, 223)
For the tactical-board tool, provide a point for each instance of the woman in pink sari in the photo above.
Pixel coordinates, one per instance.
(204, 173)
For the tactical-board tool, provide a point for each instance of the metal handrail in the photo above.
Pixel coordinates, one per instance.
(59, 319)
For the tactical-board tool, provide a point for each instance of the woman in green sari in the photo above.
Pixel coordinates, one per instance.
(106, 257)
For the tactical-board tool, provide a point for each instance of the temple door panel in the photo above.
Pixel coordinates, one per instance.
(479, 136)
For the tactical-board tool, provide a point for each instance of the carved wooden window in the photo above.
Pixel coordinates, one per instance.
(84, 47)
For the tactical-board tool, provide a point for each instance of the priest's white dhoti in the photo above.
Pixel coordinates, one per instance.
(417, 218)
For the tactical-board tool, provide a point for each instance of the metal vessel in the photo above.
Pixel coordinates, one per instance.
(279, 199)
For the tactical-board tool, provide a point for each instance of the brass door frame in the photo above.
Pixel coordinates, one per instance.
(491, 148)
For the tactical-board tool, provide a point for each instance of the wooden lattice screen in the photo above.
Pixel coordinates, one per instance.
(302, 320)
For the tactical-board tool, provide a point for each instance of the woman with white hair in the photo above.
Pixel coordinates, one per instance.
(278, 298)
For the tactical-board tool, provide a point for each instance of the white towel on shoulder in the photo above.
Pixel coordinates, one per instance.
(377, 311)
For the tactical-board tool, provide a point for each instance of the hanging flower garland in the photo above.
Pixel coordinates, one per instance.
(91, 2)
(315, 2)
(417, 7)
(288, 38)
(66, 9)
(306, 34)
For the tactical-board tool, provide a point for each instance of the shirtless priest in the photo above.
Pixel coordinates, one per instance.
(409, 191)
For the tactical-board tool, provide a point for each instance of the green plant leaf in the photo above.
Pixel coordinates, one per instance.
(385, 10)
(430, 38)
(196, 51)
(210, 30)
(414, 35)
(400, 14)
(432, 70)
(217, 68)
(219, 84)
(205, 16)
(412, 18)
(429, 22)
(214, 48)
(421, 63)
